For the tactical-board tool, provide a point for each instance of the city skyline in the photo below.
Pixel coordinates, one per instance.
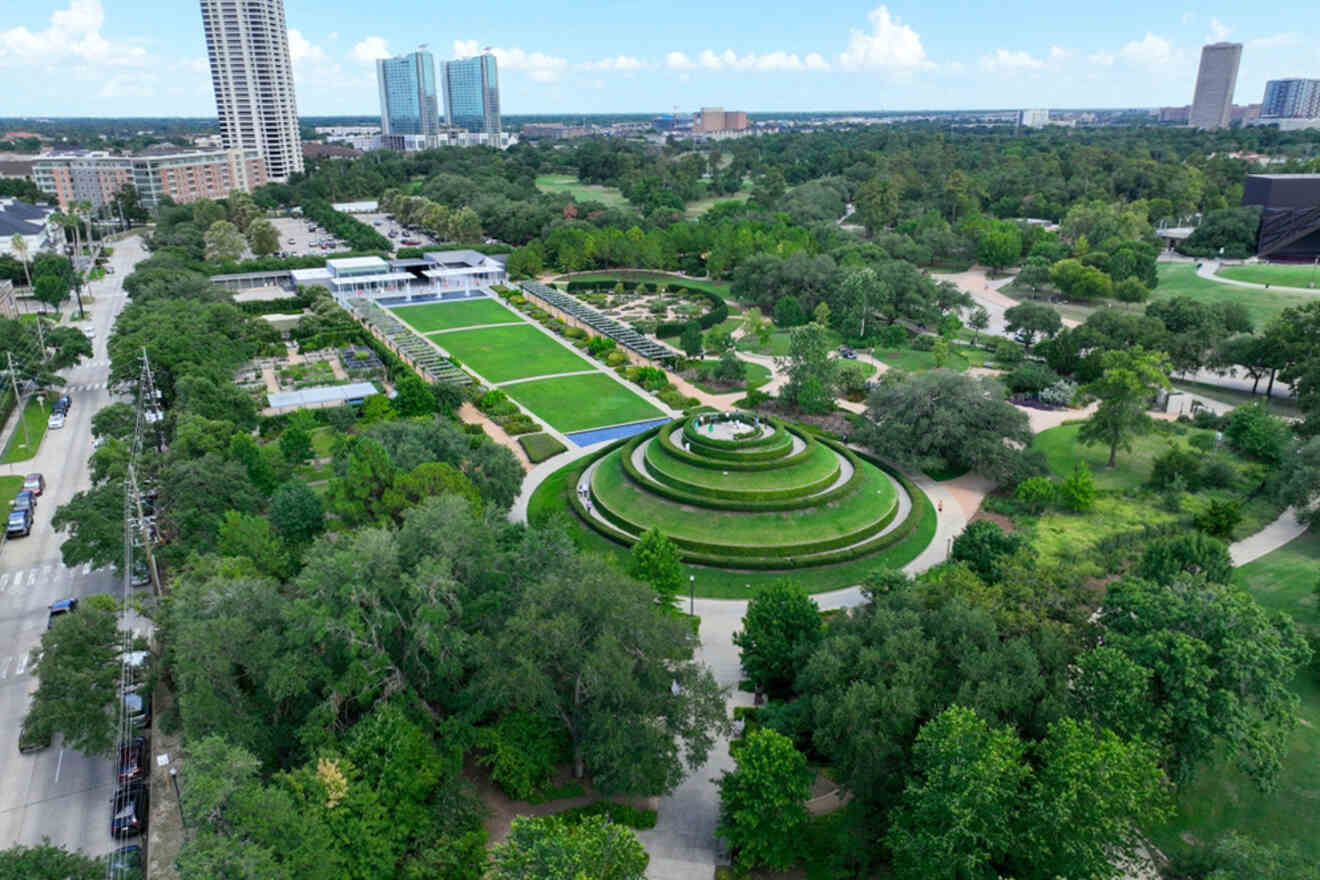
(126, 57)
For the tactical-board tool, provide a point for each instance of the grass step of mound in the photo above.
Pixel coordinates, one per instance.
(813, 474)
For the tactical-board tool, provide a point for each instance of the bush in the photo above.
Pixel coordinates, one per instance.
(983, 545)
(1036, 493)
(600, 345)
(1030, 377)
(1203, 442)
(1252, 431)
(1061, 393)
(891, 337)
(519, 423)
(1007, 352)
(521, 750)
(922, 342)
(1219, 519)
(540, 446)
(1077, 493)
(1177, 463)
(619, 814)
(1218, 474)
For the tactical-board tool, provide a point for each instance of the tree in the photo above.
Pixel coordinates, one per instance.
(1033, 275)
(414, 396)
(223, 241)
(297, 513)
(691, 340)
(49, 862)
(1131, 290)
(762, 802)
(550, 848)
(984, 545)
(1129, 380)
(50, 290)
(781, 627)
(263, 238)
(789, 312)
(960, 420)
(18, 244)
(1165, 560)
(1213, 673)
(1077, 492)
(1000, 245)
(1031, 320)
(810, 370)
(655, 560)
(205, 212)
(243, 212)
(78, 669)
(115, 420)
(251, 537)
(979, 321)
(296, 444)
(877, 204)
(731, 368)
(590, 649)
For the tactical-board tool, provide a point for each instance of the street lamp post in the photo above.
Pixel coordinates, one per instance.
(174, 778)
(1314, 263)
(692, 594)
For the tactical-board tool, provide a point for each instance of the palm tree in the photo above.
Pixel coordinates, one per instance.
(19, 246)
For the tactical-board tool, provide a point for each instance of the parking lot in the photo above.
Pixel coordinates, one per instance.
(297, 240)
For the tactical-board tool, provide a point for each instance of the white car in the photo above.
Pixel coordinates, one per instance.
(56, 421)
(89, 332)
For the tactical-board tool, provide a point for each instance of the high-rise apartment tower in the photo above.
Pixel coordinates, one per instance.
(1291, 99)
(248, 45)
(472, 94)
(408, 103)
(1212, 105)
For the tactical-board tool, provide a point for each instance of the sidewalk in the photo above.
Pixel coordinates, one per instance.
(1268, 539)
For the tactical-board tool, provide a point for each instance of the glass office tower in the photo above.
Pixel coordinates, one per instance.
(408, 103)
(472, 94)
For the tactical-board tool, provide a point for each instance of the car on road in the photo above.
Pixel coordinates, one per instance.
(26, 499)
(34, 483)
(847, 353)
(19, 525)
(63, 405)
(89, 332)
(128, 813)
(109, 270)
(59, 608)
(56, 421)
(137, 708)
(132, 760)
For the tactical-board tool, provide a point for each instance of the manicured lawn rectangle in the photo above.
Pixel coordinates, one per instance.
(23, 444)
(1223, 799)
(912, 361)
(1279, 276)
(575, 403)
(1180, 279)
(539, 446)
(582, 192)
(446, 316)
(503, 353)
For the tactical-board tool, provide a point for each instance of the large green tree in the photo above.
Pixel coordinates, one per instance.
(762, 802)
(1030, 321)
(810, 370)
(654, 560)
(1126, 387)
(780, 629)
(549, 848)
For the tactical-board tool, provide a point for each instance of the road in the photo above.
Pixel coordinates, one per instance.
(56, 793)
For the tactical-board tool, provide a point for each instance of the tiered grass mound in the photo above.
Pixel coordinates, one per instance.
(734, 491)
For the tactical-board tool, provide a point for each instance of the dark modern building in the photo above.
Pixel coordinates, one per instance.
(1290, 214)
(408, 103)
(472, 94)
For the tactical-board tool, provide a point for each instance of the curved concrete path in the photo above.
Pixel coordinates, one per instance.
(1267, 540)
(1210, 271)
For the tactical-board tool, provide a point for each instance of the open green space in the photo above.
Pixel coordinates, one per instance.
(550, 501)
(581, 192)
(912, 361)
(575, 403)
(1300, 276)
(503, 353)
(26, 439)
(757, 375)
(778, 343)
(658, 278)
(701, 206)
(446, 316)
(1223, 799)
(820, 463)
(1180, 279)
(872, 499)
(10, 485)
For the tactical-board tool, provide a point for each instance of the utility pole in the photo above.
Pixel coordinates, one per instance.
(18, 400)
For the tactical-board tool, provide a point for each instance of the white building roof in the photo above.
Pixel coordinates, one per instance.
(310, 276)
(353, 280)
(356, 207)
(356, 263)
(321, 394)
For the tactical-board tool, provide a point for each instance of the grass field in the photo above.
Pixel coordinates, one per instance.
(575, 403)
(446, 316)
(503, 353)
(550, 500)
(913, 361)
(1180, 279)
(35, 416)
(581, 192)
(1279, 276)
(778, 343)
(9, 485)
(757, 375)
(701, 206)
(1223, 799)
(719, 287)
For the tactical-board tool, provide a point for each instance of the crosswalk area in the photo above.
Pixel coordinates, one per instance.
(24, 580)
(85, 386)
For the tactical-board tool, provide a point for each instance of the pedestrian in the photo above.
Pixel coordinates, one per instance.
(939, 506)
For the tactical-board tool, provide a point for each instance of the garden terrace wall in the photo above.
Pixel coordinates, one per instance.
(741, 464)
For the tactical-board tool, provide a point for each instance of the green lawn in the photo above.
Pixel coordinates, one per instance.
(581, 192)
(575, 403)
(323, 442)
(1180, 279)
(757, 375)
(550, 501)
(719, 287)
(503, 353)
(1223, 799)
(913, 361)
(36, 416)
(817, 466)
(778, 343)
(701, 206)
(446, 316)
(1279, 276)
(10, 485)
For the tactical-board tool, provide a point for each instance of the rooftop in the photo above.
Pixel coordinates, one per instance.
(321, 394)
(357, 263)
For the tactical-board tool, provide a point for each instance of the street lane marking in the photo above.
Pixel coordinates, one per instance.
(4, 667)
(58, 765)
(87, 568)
(22, 663)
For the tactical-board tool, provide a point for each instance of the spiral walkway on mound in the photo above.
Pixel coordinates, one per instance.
(741, 492)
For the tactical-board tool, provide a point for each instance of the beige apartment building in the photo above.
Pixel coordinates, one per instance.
(184, 176)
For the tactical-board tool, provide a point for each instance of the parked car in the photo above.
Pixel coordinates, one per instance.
(56, 421)
(132, 760)
(20, 524)
(89, 332)
(34, 483)
(60, 607)
(109, 270)
(128, 813)
(847, 353)
(137, 708)
(26, 499)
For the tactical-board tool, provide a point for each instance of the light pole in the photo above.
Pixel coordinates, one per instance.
(174, 778)
(1314, 263)
(692, 593)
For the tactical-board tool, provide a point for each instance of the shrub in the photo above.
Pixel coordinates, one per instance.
(521, 750)
(600, 345)
(619, 814)
(891, 336)
(1036, 492)
(1030, 377)
(1218, 473)
(1219, 519)
(614, 358)
(1061, 393)
(922, 342)
(540, 446)
(1206, 420)
(491, 400)
(1177, 463)
(1165, 559)
(1007, 352)
(983, 545)
(1254, 432)
(1203, 442)
(1077, 493)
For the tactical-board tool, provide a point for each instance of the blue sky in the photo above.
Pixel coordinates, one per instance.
(147, 57)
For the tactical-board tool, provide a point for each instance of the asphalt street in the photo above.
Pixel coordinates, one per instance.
(56, 793)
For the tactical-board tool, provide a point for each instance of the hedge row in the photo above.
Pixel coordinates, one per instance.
(742, 464)
(782, 446)
(718, 313)
(277, 264)
(356, 234)
(691, 432)
(540, 446)
(276, 306)
(684, 492)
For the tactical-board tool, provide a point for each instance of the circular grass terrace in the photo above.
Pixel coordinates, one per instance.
(748, 498)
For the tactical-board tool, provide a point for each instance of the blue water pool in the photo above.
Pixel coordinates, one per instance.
(614, 432)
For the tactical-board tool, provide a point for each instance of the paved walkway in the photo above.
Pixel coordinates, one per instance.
(473, 416)
(1268, 539)
(1209, 270)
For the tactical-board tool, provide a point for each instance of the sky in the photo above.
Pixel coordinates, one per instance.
(148, 57)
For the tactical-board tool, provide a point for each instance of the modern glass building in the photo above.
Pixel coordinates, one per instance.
(408, 103)
(1291, 99)
(472, 94)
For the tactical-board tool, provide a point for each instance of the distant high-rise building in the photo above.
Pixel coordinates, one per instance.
(248, 44)
(1033, 118)
(1291, 99)
(1212, 104)
(472, 94)
(408, 103)
(712, 119)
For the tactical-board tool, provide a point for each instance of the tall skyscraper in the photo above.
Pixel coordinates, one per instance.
(408, 102)
(472, 94)
(1291, 99)
(248, 45)
(1212, 105)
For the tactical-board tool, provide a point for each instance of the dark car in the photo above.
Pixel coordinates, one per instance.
(128, 810)
(34, 483)
(132, 760)
(26, 499)
(63, 404)
(20, 524)
(63, 606)
(847, 353)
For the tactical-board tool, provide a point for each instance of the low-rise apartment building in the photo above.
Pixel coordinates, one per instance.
(184, 176)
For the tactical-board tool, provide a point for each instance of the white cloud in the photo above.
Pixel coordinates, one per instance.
(542, 67)
(1010, 60)
(728, 60)
(1275, 41)
(1218, 31)
(301, 49)
(74, 34)
(678, 61)
(1058, 53)
(368, 50)
(889, 46)
(619, 63)
(816, 61)
(1152, 52)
